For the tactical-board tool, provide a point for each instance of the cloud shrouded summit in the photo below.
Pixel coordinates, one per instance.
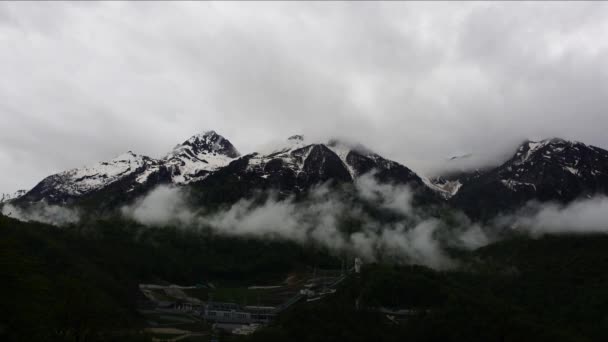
(416, 82)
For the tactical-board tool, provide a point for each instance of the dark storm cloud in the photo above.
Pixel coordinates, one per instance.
(417, 82)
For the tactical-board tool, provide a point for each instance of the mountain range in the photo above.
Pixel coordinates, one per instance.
(546, 170)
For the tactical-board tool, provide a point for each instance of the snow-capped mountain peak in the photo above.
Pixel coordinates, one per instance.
(90, 177)
(81, 181)
(201, 154)
(574, 157)
(189, 161)
(206, 143)
(301, 163)
(543, 170)
(530, 148)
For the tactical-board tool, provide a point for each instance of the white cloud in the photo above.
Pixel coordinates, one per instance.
(162, 206)
(389, 196)
(42, 212)
(582, 216)
(417, 82)
(318, 219)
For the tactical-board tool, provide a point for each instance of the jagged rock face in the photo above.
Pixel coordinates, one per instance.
(198, 156)
(210, 163)
(385, 170)
(298, 166)
(305, 165)
(445, 187)
(290, 169)
(548, 170)
(130, 174)
(210, 143)
(77, 183)
(450, 183)
(360, 160)
(322, 164)
(558, 168)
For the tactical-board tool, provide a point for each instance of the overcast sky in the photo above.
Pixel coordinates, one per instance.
(416, 82)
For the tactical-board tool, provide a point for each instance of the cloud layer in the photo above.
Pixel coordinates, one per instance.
(372, 220)
(342, 222)
(579, 217)
(42, 212)
(417, 82)
(335, 220)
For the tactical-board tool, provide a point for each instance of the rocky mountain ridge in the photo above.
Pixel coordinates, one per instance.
(546, 170)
